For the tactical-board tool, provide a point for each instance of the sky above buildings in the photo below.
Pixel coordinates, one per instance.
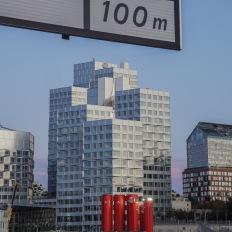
(199, 77)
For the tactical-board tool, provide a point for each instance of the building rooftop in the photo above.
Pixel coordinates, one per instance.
(215, 129)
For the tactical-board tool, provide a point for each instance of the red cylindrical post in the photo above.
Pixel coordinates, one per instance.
(119, 212)
(148, 216)
(132, 212)
(141, 213)
(107, 207)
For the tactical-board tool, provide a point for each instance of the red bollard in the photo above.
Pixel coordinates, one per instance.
(132, 212)
(107, 207)
(148, 215)
(141, 212)
(119, 212)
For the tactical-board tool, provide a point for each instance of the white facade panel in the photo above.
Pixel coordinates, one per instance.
(122, 83)
(105, 89)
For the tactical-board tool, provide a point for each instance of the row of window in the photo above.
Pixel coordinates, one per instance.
(143, 104)
(215, 173)
(70, 210)
(112, 127)
(114, 162)
(12, 167)
(61, 101)
(114, 136)
(70, 193)
(24, 182)
(69, 202)
(14, 160)
(70, 177)
(206, 188)
(17, 197)
(14, 175)
(143, 96)
(83, 113)
(138, 112)
(156, 168)
(113, 154)
(15, 153)
(156, 185)
(69, 185)
(64, 169)
(112, 145)
(61, 94)
(157, 176)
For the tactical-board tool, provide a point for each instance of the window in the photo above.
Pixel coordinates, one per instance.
(87, 146)
(109, 136)
(107, 145)
(142, 103)
(90, 112)
(116, 127)
(6, 182)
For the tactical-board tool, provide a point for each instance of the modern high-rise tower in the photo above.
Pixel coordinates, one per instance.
(106, 135)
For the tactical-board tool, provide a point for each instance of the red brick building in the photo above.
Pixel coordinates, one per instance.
(207, 184)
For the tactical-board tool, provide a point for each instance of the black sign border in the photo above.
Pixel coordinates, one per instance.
(87, 33)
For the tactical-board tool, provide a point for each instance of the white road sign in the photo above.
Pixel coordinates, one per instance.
(153, 23)
(67, 13)
(145, 19)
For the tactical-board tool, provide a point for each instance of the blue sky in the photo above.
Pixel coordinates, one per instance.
(199, 78)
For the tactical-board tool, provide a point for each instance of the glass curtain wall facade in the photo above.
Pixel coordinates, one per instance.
(152, 109)
(60, 98)
(112, 164)
(70, 178)
(16, 166)
(107, 136)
